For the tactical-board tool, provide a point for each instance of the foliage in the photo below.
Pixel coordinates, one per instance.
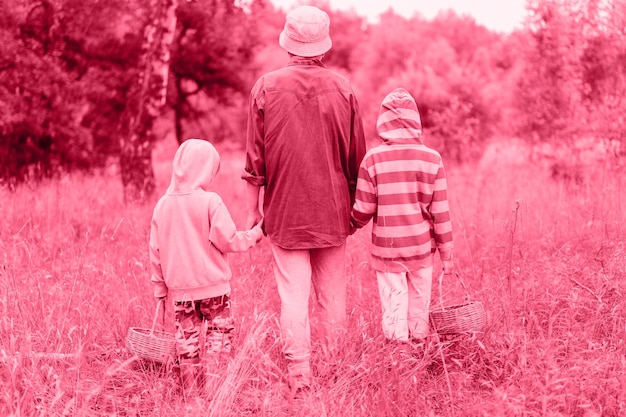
(549, 90)
(559, 80)
(448, 67)
(83, 57)
(574, 78)
(348, 30)
(212, 50)
(70, 60)
(42, 130)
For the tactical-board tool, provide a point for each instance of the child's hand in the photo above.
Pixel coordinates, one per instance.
(353, 226)
(448, 267)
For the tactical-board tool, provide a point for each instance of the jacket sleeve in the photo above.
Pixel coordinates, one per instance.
(254, 171)
(223, 232)
(357, 148)
(156, 273)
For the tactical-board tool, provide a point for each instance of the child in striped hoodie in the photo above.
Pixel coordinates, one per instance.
(402, 186)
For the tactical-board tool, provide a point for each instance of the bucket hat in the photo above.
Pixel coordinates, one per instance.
(306, 32)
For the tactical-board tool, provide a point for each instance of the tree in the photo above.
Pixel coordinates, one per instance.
(347, 30)
(549, 91)
(92, 61)
(62, 84)
(574, 83)
(144, 102)
(447, 65)
(604, 70)
(212, 57)
(104, 45)
(40, 125)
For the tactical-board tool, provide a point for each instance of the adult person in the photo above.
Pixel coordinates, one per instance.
(305, 142)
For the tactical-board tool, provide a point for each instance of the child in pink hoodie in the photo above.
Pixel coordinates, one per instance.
(190, 233)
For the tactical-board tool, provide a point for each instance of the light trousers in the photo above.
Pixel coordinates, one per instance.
(295, 271)
(405, 302)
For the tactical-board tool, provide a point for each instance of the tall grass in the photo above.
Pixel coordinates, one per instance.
(546, 257)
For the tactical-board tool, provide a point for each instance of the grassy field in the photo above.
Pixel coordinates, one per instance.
(546, 256)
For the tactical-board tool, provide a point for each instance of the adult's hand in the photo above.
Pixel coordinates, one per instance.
(261, 232)
(252, 205)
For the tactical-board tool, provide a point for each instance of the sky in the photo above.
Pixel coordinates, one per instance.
(497, 15)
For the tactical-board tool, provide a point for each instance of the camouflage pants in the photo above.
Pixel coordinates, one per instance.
(203, 327)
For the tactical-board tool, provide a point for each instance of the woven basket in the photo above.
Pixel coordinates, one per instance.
(461, 318)
(150, 344)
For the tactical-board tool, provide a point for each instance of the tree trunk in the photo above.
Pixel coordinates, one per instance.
(179, 110)
(145, 99)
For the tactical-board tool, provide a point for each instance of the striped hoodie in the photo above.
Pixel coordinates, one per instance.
(402, 186)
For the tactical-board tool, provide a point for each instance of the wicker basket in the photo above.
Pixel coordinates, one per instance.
(461, 318)
(150, 344)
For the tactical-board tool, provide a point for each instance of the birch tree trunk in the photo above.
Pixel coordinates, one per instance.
(144, 102)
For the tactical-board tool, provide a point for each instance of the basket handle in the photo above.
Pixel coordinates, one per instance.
(441, 290)
(156, 314)
(458, 277)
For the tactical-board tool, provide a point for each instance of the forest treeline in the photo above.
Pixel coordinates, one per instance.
(74, 95)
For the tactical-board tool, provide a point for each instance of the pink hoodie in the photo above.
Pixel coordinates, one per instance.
(192, 230)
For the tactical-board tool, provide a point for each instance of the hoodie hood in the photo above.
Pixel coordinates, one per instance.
(195, 166)
(399, 119)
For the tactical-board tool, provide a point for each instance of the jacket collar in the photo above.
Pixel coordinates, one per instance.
(300, 60)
